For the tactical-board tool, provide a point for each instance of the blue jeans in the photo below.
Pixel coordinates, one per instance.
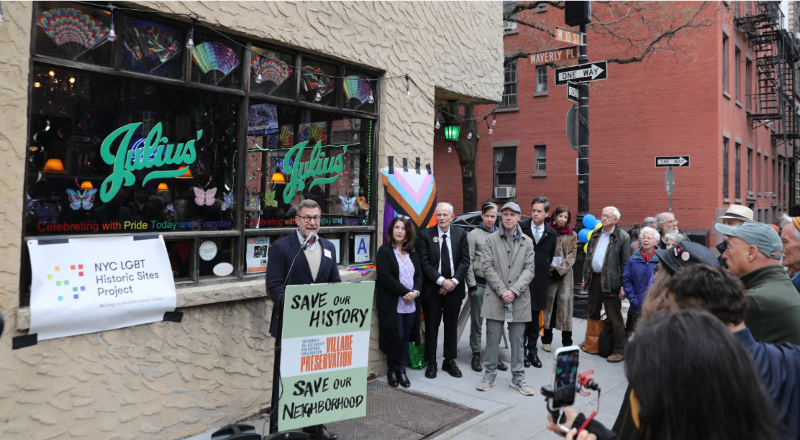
(405, 323)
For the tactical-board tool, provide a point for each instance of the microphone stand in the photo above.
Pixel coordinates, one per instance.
(276, 368)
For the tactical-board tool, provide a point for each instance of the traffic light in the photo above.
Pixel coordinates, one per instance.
(577, 13)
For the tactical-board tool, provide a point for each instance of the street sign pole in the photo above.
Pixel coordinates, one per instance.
(669, 183)
(583, 139)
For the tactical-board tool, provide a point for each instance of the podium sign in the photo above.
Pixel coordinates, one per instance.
(325, 352)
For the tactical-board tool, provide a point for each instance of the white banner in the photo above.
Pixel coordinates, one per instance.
(94, 284)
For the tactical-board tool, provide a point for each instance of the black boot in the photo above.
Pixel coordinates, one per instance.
(501, 366)
(476, 361)
(402, 378)
(392, 379)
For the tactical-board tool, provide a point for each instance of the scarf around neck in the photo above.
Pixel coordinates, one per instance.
(566, 230)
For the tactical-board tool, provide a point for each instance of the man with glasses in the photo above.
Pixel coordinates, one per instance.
(667, 224)
(315, 265)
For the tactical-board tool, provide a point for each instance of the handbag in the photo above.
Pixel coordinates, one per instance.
(605, 345)
(592, 339)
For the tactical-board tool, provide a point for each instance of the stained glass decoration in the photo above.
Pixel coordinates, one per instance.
(313, 134)
(357, 88)
(282, 139)
(215, 56)
(270, 69)
(73, 30)
(151, 47)
(315, 79)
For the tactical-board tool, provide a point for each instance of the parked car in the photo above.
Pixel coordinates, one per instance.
(471, 220)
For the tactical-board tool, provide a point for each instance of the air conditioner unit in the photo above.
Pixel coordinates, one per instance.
(505, 192)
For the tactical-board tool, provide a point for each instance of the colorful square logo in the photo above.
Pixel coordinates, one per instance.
(66, 282)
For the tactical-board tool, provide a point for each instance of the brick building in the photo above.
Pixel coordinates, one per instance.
(708, 108)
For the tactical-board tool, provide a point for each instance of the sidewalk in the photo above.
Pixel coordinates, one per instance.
(507, 414)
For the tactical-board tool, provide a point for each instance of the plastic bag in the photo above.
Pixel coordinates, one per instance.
(416, 356)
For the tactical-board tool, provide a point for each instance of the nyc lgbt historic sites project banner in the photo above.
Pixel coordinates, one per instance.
(87, 285)
(325, 351)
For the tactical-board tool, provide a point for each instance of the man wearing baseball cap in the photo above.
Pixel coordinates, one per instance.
(773, 305)
(734, 216)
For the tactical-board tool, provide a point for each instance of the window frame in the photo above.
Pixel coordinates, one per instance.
(738, 171)
(749, 171)
(238, 234)
(510, 70)
(495, 171)
(725, 168)
(737, 60)
(725, 72)
(537, 165)
(541, 79)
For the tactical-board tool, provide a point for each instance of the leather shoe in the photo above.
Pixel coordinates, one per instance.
(324, 431)
(402, 378)
(534, 359)
(526, 362)
(392, 379)
(501, 366)
(476, 362)
(452, 368)
(430, 373)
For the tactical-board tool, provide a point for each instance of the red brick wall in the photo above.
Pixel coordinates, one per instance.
(641, 111)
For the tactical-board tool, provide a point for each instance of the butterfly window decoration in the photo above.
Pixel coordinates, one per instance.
(269, 198)
(362, 203)
(349, 205)
(81, 199)
(252, 201)
(204, 197)
(227, 200)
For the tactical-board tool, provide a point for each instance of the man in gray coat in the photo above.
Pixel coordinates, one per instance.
(508, 262)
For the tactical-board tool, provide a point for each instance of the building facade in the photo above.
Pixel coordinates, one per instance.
(711, 106)
(99, 112)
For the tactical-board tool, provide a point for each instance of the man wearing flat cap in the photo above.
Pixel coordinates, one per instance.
(508, 264)
(734, 216)
(773, 305)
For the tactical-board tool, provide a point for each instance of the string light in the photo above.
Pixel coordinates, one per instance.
(469, 135)
(371, 98)
(408, 87)
(489, 127)
(318, 97)
(190, 41)
(449, 148)
(259, 79)
(437, 125)
(112, 34)
(494, 120)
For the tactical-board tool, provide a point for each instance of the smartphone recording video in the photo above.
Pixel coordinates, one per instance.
(565, 377)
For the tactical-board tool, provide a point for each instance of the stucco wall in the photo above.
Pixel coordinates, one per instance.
(170, 380)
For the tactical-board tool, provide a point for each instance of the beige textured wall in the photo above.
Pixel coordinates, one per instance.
(169, 380)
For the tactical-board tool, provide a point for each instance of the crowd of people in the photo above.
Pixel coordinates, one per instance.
(711, 344)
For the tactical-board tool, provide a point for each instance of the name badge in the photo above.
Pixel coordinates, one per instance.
(328, 253)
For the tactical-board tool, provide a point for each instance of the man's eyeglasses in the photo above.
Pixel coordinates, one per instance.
(672, 222)
(308, 219)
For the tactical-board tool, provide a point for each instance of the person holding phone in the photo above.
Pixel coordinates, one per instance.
(723, 402)
(399, 281)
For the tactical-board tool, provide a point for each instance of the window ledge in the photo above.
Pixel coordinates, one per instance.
(214, 293)
(749, 111)
(739, 104)
(538, 174)
(726, 200)
(738, 201)
(511, 32)
(506, 109)
(537, 94)
(727, 95)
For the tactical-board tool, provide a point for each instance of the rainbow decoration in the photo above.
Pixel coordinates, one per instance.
(410, 194)
(215, 56)
(271, 69)
(282, 139)
(315, 79)
(356, 88)
(68, 25)
(313, 134)
(151, 47)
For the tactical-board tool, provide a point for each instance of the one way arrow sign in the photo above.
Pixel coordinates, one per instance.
(582, 73)
(672, 161)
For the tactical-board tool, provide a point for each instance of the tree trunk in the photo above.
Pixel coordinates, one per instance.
(467, 150)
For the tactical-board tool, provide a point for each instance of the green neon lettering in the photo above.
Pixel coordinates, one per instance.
(317, 165)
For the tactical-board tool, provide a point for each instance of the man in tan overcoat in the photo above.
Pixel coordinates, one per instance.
(508, 265)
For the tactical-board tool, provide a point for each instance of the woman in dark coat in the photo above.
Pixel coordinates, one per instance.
(397, 292)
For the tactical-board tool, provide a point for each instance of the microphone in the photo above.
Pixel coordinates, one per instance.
(311, 235)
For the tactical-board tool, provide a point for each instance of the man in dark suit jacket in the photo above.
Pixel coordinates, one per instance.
(544, 239)
(444, 257)
(316, 264)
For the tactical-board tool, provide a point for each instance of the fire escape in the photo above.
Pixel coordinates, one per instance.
(776, 52)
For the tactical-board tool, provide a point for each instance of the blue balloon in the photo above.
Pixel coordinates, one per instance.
(583, 236)
(589, 221)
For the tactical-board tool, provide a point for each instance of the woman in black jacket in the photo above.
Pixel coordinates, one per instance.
(397, 292)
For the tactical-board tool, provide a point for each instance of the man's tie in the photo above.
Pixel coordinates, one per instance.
(447, 271)
(536, 234)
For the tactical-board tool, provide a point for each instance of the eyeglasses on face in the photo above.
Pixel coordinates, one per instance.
(309, 219)
(672, 222)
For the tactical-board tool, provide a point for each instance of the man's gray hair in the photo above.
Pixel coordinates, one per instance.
(651, 222)
(662, 218)
(544, 201)
(787, 221)
(677, 237)
(655, 233)
(617, 215)
(447, 205)
(307, 203)
(488, 206)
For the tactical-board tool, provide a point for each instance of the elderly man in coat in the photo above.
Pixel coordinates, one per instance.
(508, 261)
